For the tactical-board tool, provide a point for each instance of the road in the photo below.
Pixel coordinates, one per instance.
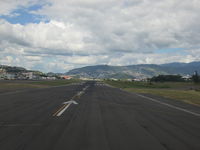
(94, 116)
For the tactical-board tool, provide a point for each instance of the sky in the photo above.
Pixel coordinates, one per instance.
(59, 35)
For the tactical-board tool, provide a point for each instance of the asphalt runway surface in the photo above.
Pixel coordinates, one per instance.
(94, 116)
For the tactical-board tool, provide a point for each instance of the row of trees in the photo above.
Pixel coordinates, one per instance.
(165, 78)
(175, 78)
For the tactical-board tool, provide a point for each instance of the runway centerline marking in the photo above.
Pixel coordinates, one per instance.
(171, 106)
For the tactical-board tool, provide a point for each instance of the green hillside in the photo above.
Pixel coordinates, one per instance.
(135, 71)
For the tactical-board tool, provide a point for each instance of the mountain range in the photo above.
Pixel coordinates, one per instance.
(135, 71)
(123, 72)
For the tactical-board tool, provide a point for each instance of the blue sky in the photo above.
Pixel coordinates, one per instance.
(61, 35)
(24, 15)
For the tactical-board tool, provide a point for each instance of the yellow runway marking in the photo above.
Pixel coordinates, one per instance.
(68, 103)
(60, 109)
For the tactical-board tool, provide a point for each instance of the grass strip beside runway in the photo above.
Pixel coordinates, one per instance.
(184, 91)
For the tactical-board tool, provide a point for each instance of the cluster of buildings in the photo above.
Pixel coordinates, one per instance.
(29, 75)
(131, 80)
(143, 79)
(23, 76)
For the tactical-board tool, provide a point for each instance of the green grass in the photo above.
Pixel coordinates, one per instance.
(128, 84)
(19, 85)
(183, 91)
(189, 96)
(55, 82)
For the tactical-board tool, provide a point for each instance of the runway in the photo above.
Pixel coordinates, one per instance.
(95, 116)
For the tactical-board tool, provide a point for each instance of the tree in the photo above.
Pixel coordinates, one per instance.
(195, 77)
(167, 78)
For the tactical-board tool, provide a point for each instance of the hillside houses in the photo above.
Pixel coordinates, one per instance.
(24, 76)
(20, 76)
(6, 75)
(14, 74)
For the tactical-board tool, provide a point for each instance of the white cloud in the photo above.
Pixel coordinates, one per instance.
(131, 25)
(116, 32)
(55, 36)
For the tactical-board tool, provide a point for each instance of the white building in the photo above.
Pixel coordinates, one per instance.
(9, 76)
(186, 77)
(28, 75)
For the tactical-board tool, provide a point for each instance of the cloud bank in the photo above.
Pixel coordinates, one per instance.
(90, 32)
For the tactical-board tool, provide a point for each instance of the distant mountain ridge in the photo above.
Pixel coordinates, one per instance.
(135, 71)
(122, 72)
